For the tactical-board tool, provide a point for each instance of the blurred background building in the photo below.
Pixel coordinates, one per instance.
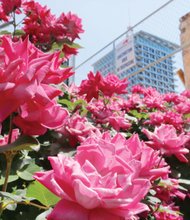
(134, 53)
(153, 51)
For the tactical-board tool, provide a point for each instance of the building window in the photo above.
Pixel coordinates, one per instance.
(151, 50)
(145, 48)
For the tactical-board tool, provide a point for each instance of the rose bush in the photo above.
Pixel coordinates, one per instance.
(111, 157)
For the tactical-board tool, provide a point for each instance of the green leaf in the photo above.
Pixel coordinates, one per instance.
(5, 32)
(12, 178)
(70, 44)
(75, 45)
(154, 200)
(187, 182)
(26, 173)
(11, 206)
(67, 103)
(56, 46)
(186, 116)
(80, 102)
(42, 194)
(139, 115)
(19, 32)
(22, 143)
(11, 196)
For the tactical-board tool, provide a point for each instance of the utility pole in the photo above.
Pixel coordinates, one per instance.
(185, 37)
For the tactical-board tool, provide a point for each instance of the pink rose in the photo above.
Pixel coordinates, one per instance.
(169, 212)
(25, 75)
(118, 121)
(97, 85)
(107, 179)
(173, 118)
(172, 97)
(10, 6)
(67, 25)
(113, 85)
(156, 118)
(154, 101)
(35, 118)
(4, 140)
(165, 139)
(76, 129)
(90, 87)
(17, 81)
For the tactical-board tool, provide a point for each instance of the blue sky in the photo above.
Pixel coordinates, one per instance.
(104, 20)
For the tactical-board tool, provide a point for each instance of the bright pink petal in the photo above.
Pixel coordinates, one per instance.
(66, 210)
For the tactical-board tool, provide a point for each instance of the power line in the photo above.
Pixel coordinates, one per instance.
(130, 29)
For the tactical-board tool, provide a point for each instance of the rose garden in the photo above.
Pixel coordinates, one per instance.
(90, 152)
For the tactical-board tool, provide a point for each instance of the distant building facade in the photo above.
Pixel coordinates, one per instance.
(135, 52)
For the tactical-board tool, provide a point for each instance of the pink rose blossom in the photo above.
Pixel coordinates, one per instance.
(154, 101)
(5, 138)
(118, 121)
(44, 28)
(173, 118)
(186, 93)
(165, 139)
(101, 182)
(37, 24)
(35, 118)
(76, 129)
(153, 168)
(3, 15)
(183, 107)
(168, 212)
(17, 84)
(137, 89)
(172, 97)
(9, 6)
(109, 114)
(113, 85)
(167, 189)
(25, 75)
(133, 101)
(100, 112)
(107, 179)
(149, 91)
(97, 85)
(91, 86)
(67, 25)
(156, 118)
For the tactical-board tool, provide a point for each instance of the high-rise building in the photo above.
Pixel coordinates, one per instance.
(135, 52)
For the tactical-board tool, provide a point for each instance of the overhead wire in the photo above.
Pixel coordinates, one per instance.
(183, 46)
(129, 29)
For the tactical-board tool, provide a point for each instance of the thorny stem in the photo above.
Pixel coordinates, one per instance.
(10, 129)
(27, 203)
(161, 157)
(9, 158)
(35, 205)
(9, 155)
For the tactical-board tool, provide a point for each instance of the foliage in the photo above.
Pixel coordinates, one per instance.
(102, 152)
